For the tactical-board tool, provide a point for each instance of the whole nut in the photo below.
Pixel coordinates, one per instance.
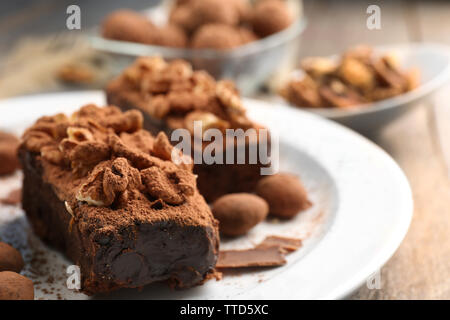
(239, 212)
(14, 286)
(75, 134)
(318, 66)
(284, 193)
(357, 74)
(270, 16)
(10, 258)
(207, 119)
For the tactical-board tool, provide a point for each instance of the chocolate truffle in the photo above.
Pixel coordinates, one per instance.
(14, 286)
(216, 36)
(8, 153)
(184, 17)
(170, 35)
(270, 16)
(247, 35)
(284, 193)
(216, 11)
(127, 25)
(10, 258)
(239, 212)
(243, 8)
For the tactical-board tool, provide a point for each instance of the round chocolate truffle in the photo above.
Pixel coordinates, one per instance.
(127, 25)
(284, 193)
(270, 16)
(14, 286)
(8, 153)
(216, 11)
(243, 8)
(184, 17)
(239, 212)
(170, 35)
(216, 36)
(247, 35)
(10, 258)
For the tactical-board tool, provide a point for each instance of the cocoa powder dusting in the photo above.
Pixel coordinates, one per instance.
(101, 161)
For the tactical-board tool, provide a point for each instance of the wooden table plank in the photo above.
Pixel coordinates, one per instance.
(420, 269)
(434, 25)
(420, 142)
(441, 113)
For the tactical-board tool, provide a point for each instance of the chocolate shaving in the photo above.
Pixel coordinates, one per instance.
(287, 244)
(269, 253)
(257, 257)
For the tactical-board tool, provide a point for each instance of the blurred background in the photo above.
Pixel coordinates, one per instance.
(34, 36)
(38, 53)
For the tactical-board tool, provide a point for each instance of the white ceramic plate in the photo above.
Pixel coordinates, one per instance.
(433, 61)
(362, 210)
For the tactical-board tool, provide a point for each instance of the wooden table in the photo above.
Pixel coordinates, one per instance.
(419, 141)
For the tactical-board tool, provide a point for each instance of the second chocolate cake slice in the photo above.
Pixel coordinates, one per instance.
(105, 192)
(173, 96)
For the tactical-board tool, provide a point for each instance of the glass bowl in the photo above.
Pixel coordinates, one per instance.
(249, 66)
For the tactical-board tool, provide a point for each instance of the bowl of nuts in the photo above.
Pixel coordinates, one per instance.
(248, 42)
(365, 88)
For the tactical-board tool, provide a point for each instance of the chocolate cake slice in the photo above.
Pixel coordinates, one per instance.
(105, 192)
(173, 96)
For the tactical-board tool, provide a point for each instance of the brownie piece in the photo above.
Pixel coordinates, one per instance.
(101, 189)
(171, 96)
